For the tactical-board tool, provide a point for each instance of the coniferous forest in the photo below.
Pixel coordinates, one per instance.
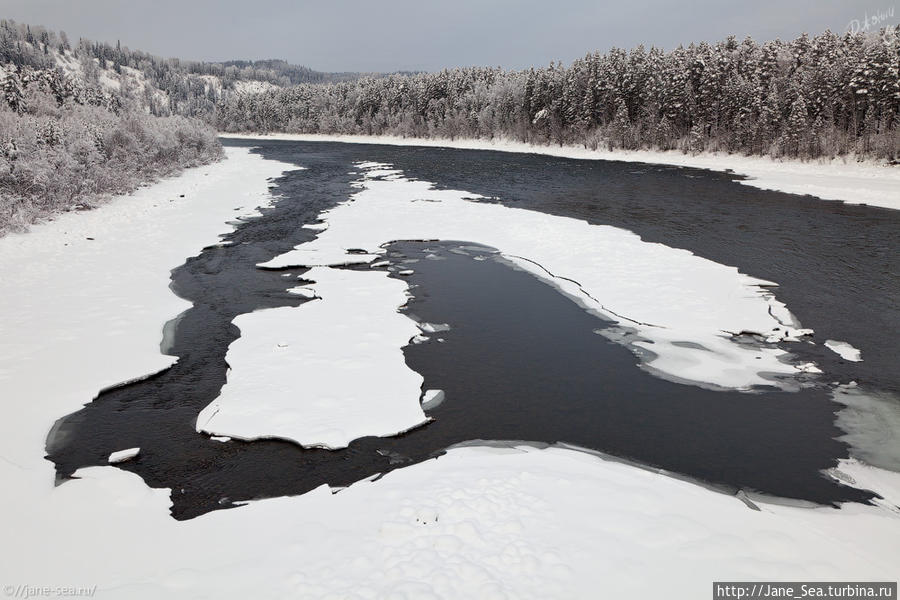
(816, 96)
(79, 121)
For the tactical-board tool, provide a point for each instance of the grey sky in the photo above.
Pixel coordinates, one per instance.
(389, 35)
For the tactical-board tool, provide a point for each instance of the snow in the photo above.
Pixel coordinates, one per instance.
(606, 269)
(111, 292)
(306, 292)
(844, 350)
(845, 179)
(514, 522)
(511, 522)
(253, 87)
(867, 477)
(324, 373)
(123, 455)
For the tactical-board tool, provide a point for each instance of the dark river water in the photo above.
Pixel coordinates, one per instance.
(521, 361)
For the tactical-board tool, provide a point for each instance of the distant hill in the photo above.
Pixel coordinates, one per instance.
(163, 86)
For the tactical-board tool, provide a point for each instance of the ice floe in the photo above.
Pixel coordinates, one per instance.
(432, 399)
(123, 455)
(844, 350)
(326, 372)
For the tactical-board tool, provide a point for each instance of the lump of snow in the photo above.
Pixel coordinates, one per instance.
(405, 272)
(434, 327)
(844, 350)
(123, 455)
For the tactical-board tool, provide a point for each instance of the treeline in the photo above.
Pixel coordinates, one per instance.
(822, 96)
(67, 140)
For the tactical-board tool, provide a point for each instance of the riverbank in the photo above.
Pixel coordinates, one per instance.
(846, 180)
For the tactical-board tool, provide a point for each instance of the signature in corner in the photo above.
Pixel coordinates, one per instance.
(870, 22)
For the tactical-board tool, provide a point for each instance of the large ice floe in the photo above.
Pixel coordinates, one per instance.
(324, 373)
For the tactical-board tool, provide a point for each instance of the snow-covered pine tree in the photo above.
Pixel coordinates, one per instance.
(795, 136)
(621, 126)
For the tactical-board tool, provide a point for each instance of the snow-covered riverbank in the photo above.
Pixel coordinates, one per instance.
(846, 180)
(84, 299)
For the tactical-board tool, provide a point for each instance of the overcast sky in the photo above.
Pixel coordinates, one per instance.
(390, 35)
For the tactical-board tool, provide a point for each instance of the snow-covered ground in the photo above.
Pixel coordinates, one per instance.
(476, 523)
(847, 180)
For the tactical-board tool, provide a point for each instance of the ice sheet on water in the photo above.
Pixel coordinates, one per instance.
(871, 420)
(688, 323)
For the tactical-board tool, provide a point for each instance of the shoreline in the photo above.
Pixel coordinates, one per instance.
(864, 183)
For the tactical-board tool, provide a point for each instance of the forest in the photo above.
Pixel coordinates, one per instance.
(80, 121)
(75, 129)
(811, 97)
